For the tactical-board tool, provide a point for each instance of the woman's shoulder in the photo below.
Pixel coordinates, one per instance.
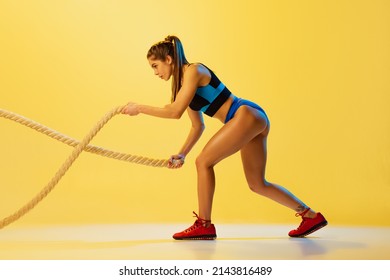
(200, 71)
(198, 65)
(198, 68)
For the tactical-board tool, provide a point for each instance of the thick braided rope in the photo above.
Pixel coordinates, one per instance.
(63, 169)
(73, 142)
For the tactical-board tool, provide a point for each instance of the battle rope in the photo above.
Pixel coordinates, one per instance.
(79, 147)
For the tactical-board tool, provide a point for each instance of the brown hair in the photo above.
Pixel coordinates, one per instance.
(173, 47)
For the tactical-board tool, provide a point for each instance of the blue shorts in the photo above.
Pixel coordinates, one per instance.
(237, 103)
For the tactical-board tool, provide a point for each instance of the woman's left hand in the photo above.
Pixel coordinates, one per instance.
(131, 109)
(176, 161)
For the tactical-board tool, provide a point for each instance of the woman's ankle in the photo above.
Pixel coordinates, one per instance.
(307, 213)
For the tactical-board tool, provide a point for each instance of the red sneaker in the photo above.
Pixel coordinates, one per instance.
(308, 225)
(197, 231)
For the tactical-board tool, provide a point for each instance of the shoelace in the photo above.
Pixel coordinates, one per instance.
(199, 222)
(200, 219)
(302, 214)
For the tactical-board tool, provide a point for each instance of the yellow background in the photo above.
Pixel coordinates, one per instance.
(320, 69)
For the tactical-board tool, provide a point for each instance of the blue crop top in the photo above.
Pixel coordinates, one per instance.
(211, 97)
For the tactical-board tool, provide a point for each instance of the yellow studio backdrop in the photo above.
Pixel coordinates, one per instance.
(319, 68)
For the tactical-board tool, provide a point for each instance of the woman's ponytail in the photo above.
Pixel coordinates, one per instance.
(179, 60)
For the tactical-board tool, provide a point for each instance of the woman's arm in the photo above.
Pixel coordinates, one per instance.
(195, 133)
(176, 109)
(197, 128)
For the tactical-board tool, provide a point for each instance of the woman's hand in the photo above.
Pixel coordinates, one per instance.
(131, 109)
(176, 161)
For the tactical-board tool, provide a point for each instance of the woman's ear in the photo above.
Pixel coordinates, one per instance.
(168, 59)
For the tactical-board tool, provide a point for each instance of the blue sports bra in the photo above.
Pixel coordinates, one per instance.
(211, 97)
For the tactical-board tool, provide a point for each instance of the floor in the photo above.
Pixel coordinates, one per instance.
(153, 241)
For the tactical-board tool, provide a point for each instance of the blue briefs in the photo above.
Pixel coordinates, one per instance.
(237, 103)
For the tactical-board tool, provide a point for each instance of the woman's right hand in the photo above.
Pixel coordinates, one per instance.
(131, 109)
(176, 161)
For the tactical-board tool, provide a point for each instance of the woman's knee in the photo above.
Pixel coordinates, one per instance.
(259, 187)
(202, 162)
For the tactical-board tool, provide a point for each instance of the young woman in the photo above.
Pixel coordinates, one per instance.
(197, 90)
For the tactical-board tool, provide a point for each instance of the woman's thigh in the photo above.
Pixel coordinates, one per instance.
(234, 135)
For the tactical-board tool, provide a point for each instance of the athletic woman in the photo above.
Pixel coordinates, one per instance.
(197, 90)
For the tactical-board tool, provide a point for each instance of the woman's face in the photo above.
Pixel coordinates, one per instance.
(162, 68)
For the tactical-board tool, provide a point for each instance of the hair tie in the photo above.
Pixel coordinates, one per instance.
(169, 39)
